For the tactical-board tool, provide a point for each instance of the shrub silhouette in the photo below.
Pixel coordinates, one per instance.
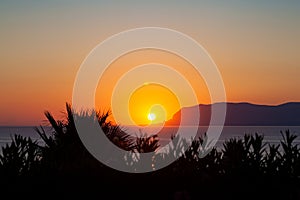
(290, 155)
(246, 164)
(20, 157)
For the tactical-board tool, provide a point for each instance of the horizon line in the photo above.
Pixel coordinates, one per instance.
(228, 102)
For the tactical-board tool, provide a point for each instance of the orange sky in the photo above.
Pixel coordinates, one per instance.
(126, 73)
(254, 44)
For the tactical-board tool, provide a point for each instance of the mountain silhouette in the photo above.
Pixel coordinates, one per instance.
(245, 114)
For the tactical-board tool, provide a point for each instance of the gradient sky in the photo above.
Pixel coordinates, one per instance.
(254, 43)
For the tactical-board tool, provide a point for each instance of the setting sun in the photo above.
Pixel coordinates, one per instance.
(150, 99)
(152, 104)
(151, 116)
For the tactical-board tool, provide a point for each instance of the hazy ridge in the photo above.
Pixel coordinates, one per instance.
(246, 114)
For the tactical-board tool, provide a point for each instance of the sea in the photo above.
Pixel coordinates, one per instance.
(272, 134)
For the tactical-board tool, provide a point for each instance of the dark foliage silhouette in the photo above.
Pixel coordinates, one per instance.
(245, 168)
(20, 157)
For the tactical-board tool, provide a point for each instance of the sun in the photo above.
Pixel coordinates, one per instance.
(152, 104)
(151, 116)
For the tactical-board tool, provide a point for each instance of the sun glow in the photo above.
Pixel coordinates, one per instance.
(149, 81)
(152, 104)
(151, 116)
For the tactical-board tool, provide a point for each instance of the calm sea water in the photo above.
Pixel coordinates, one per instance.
(271, 133)
(7, 132)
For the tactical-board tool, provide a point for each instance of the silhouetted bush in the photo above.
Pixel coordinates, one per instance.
(245, 168)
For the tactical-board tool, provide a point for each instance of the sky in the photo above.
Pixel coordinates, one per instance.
(255, 45)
